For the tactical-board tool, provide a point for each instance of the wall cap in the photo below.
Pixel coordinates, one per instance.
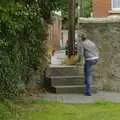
(110, 19)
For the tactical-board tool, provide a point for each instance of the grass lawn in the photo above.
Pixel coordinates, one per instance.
(43, 110)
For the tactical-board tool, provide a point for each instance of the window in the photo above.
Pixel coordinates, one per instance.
(115, 4)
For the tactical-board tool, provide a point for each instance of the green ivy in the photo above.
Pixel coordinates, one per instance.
(23, 35)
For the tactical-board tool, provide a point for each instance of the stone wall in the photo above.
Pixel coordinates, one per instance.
(106, 34)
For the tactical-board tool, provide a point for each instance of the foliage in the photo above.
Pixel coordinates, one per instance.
(36, 109)
(63, 6)
(88, 8)
(23, 35)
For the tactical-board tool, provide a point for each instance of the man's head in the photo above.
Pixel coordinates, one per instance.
(83, 36)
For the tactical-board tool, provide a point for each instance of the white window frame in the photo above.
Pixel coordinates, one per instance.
(114, 9)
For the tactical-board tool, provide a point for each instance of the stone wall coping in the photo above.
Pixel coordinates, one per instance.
(112, 19)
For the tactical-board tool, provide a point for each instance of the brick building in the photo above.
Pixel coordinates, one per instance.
(55, 32)
(104, 8)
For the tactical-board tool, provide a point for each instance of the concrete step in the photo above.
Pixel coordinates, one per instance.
(71, 89)
(65, 71)
(67, 80)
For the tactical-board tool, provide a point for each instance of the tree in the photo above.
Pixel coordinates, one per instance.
(71, 28)
(63, 6)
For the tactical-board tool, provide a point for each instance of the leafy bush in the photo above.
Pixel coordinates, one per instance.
(23, 35)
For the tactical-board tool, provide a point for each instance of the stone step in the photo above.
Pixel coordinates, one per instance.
(71, 89)
(67, 80)
(65, 71)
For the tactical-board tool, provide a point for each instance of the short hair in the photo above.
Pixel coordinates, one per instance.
(83, 35)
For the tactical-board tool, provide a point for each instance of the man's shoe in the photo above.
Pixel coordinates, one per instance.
(87, 94)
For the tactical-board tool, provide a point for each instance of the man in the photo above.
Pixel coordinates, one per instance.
(90, 52)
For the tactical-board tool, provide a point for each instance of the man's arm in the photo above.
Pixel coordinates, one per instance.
(80, 51)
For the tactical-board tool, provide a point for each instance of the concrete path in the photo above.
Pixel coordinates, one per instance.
(80, 98)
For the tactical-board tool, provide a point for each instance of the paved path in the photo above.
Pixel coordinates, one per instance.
(80, 98)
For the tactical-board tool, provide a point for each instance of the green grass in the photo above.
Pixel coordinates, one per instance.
(43, 110)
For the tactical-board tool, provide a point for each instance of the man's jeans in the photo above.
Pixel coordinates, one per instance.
(88, 75)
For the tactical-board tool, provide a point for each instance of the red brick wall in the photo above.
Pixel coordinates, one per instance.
(55, 34)
(101, 8)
